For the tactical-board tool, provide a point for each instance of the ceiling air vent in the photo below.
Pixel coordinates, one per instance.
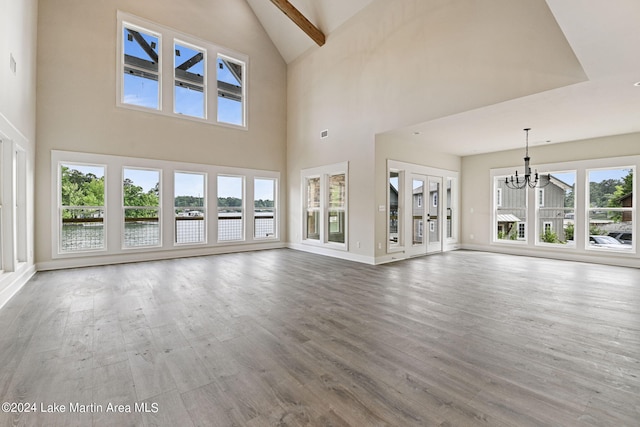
(324, 134)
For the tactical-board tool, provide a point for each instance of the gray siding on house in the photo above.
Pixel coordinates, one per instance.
(551, 210)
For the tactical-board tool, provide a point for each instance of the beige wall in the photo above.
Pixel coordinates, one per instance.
(401, 62)
(77, 92)
(18, 34)
(476, 183)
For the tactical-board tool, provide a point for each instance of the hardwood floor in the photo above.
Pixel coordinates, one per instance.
(280, 337)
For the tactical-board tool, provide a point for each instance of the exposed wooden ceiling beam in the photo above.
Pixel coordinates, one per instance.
(300, 20)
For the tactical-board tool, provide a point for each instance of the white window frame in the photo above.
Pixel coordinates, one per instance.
(129, 21)
(580, 245)
(324, 172)
(498, 197)
(242, 61)
(329, 209)
(114, 203)
(124, 208)
(176, 79)
(540, 194)
(522, 231)
(243, 208)
(60, 207)
(545, 224)
(167, 37)
(205, 201)
(398, 245)
(276, 230)
(632, 209)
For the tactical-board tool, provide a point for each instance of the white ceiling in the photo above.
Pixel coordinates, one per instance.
(604, 35)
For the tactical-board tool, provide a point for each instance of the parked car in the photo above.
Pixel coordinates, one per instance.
(625, 238)
(607, 242)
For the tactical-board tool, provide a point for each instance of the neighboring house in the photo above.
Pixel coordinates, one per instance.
(430, 205)
(393, 213)
(511, 204)
(551, 201)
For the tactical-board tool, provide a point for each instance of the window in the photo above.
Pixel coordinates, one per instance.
(579, 206)
(325, 192)
(450, 208)
(522, 231)
(313, 208)
(610, 210)
(144, 209)
(144, 62)
(264, 208)
(337, 208)
(418, 211)
(230, 91)
(189, 80)
(230, 208)
(395, 195)
(189, 207)
(141, 207)
(511, 213)
(140, 67)
(555, 209)
(81, 208)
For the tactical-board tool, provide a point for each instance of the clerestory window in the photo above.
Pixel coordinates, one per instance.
(164, 71)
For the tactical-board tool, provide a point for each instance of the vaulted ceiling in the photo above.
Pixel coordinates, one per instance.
(604, 37)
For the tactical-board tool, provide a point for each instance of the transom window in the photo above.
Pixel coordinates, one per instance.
(189, 80)
(141, 71)
(144, 61)
(230, 91)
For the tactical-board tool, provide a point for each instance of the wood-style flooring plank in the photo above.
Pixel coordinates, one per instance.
(281, 337)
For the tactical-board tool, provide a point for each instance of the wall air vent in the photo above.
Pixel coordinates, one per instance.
(324, 134)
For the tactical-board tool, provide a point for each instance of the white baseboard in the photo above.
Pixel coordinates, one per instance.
(93, 261)
(349, 256)
(11, 283)
(615, 259)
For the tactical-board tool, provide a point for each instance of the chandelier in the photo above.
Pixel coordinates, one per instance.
(518, 181)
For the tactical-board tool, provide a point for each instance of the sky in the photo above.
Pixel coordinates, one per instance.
(144, 92)
(595, 175)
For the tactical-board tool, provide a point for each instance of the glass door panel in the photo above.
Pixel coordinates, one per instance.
(434, 217)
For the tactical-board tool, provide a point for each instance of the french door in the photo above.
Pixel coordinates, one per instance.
(426, 219)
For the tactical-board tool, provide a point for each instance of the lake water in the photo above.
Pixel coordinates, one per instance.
(88, 236)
